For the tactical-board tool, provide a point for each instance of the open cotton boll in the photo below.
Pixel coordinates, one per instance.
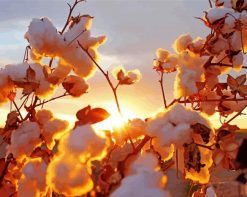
(174, 126)
(182, 43)
(162, 54)
(17, 72)
(75, 86)
(33, 180)
(84, 143)
(45, 89)
(143, 180)
(217, 13)
(46, 41)
(197, 45)
(43, 37)
(77, 29)
(60, 72)
(52, 130)
(133, 76)
(43, 116)
(24, 139)
(67, 176)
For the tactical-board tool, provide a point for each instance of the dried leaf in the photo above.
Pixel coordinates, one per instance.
(243, 90)
(91, 116)
(120, 75)
(241, 79)
(192, 157)
(202, 130)
(233, 84)
(97, 115)
(82, 114)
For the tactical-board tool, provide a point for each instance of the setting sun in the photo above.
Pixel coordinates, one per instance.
(115, 120)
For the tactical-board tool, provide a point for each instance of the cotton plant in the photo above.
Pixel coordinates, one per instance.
(46, 156)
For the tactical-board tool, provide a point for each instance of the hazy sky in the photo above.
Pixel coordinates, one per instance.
(135, 29)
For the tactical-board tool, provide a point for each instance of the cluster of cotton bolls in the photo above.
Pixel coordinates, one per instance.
(190, 65)
(52, 128)
(165, 61)
(126, 78)
(142, 180)
(69, 171)
(45, 41)
(17, 75)
(229, 22)
(24, 140)
(33, 179)
(173, 126)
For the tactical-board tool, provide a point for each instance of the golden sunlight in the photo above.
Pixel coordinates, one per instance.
(115, 120)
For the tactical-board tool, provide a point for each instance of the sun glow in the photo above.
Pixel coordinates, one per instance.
(115, 120)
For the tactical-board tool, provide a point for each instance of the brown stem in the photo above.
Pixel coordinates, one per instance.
(210, 3)
(236, 115)
(71, 9)
(224, 65)
(52, 99)
(162, 88)
(212, 100)
(106, 75)
(17, 109)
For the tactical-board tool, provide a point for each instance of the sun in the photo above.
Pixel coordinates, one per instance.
(115, 120)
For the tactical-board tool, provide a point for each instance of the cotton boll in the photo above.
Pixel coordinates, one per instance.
(45, 89)
(197, 45)
(182, 43)
(53, 129)
(142, 175)
(84, 143)
(119, 73)
(24, 139)
(133, 76)
(235, 41)
(43, 116)
(217, 13)
(67, 176)
(33, 180)
(162, 54)
(174, 125)
(210, 192)
(46, 41)
(75, 86)
(43, 37)
(60, 72)
(78, 28)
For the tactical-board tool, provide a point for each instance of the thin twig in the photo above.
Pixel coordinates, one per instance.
(17, 109)
(106, 75)
(162, 88)
(236, 115)
(52, 99)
